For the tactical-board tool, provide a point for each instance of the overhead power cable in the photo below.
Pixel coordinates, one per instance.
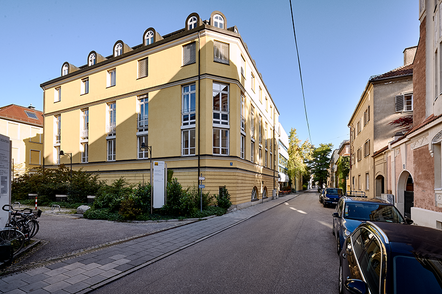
(300, 72)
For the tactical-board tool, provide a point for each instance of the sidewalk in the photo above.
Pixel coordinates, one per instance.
(90, 271)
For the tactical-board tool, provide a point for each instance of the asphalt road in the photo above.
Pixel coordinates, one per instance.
(61, 235)
(288, 249)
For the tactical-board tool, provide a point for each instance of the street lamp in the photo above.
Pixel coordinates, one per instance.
(143, 148)
(70, 156)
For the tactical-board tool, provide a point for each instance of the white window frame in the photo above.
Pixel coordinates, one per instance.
(252, 151)
(252, 122)
(243, 66)
(143, 113)
(92, 59)
(243, 115)
(118, 50)
(65, 70)
(192, 22)
(221, 52)
(57, 130)
(57, 94)
(84, 125)
(220, 115)
(187, 148)
(111, 78)
(111, 119)
(188, 112)
(111, 149)
(242, 148)
(404, 102)
(84, 86)
(223, 135)
(142, 154)
(84, 152)
(149, 38)
(367, 181)
(218, 21)
(57, 155)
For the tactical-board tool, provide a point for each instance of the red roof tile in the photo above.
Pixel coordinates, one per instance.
(22, 114)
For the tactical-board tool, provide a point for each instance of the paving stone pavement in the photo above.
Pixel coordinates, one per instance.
(90, 271)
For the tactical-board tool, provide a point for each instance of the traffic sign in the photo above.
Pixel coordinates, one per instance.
(201, 178)
(201, 186)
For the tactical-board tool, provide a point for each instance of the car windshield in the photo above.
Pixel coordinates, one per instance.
(417, 275)
(372, 212)
(334, 191)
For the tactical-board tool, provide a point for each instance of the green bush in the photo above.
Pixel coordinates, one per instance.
(223, 199)
(103, 213)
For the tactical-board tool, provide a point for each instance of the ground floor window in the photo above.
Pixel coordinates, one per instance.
(84, 152)
(188, 142)
(111, 150)
(143, 154)
(220, 141)
(254, 194)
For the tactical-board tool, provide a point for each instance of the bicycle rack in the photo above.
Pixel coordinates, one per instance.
(53, 206)
(19, 205)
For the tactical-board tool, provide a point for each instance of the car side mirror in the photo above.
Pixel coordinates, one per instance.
(356, 286)
(335, 214)
(409, 221)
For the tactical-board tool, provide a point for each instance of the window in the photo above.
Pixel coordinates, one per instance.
(218, 21)
(148, 38)
(221, 52)
(84, 152)
(367, 148)
(92, 59)
(359, 154)
(243, 66)
(359, 126)
(404, 103)
(260, 129)
(220, 104)
(189, 56)
(188, 143)
(260, 155)
(31, 114)
(143, 67)
(220, 141)
(367, 182)
(65, 70)
(57, 94)
(112, 117)
(84, 86)
(189, 108)
(192, 22)
(111, 150)
(252, 122)
(267, 104)
(34, 157)
(265, 158)
(143, 113)
(242, 150)
(253, 88)
(57, 129)
(111, 78)
(252, 151)
(142, 154)
(57, 155)
(84, 124)
(359, 182)
(118, 50)
(265, 134)
(243, 115)
(368, 113)
(271, 111)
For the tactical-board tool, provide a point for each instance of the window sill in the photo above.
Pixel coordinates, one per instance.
(140, 78)
(82, 94)
(188, 127)
(222, 62)
(184, 65)
(110, 86)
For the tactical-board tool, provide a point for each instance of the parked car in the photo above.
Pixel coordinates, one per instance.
(351, 211)
(381, 257)
(330, 196)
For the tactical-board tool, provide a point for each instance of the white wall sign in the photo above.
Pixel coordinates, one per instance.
(5, 176)
(159, 183)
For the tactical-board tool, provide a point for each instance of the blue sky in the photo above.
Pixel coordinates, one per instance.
(341, 44)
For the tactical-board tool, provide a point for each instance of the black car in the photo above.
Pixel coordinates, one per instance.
(351, 211)
(381, 257)
(330, 196)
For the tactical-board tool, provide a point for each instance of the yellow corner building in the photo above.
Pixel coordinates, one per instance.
(194, 95)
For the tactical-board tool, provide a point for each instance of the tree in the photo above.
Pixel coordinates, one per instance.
(343, 170)
(299, 154)
(320, 163)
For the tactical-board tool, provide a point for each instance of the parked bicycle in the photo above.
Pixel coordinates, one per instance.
(14, 237)
(23, 220)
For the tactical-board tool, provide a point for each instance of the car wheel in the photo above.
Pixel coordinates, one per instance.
(338, 245)
(341, 280)
(324, 204)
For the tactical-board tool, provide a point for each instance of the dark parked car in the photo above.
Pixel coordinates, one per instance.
(330, 196)
(351, 211)
(381, 257)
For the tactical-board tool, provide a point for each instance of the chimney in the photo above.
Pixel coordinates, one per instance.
(31, 107)
(409, 54)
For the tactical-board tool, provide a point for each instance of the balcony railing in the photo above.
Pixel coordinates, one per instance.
(111, 130)
(143, 122)
(84, 134)
(57, 139)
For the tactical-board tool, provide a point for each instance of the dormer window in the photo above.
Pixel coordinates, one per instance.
(192, 22)
(118, 50)
(65, 69)
(148, 38)
(218, 21)
(92, 59)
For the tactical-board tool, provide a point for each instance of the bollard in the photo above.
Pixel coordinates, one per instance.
(35, 202)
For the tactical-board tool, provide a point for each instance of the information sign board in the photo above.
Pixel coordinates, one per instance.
(5, 177)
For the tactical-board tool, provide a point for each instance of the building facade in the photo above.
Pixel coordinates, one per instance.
(386, 98)
(283, 145)
(415, 160)
(24, 127)
(195, 96)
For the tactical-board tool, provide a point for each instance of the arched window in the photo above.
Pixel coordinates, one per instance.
(148, 38)
(65, 69)
(192, 22)
(254, 193)
(118, 49)
(92, 59)
(218, 21)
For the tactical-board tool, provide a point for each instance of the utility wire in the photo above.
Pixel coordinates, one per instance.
(300, 72)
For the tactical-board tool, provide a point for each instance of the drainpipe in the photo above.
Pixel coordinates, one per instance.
(199, 112)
